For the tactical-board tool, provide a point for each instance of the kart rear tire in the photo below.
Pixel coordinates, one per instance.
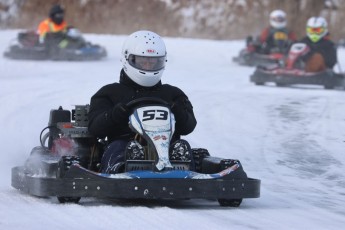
(230, 203)
(63, 199)
(329, 86)
(280, 84)
(63, 166)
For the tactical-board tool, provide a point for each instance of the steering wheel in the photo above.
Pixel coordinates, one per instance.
(146, 100)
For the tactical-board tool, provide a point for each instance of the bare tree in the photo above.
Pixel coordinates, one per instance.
(226, 19)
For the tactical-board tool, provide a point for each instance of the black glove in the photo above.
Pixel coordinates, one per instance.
(306, 54)
(265, 48)
(178, 108)
(120, 113)
(184, 116)
(305, 57)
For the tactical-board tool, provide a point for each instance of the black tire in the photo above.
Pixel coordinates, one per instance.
(63, 166)
(230, 203)
(63, 199)
(39, 151)
(199, 154)
(280, 84)
(36, 163)
(329, 86)
(259, 83)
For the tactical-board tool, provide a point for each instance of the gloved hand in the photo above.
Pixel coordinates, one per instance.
(184, 116)
(178, 108)
(265, 49)
(306, 53)
(120, 113)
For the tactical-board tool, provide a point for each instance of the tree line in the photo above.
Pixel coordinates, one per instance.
(209, 19)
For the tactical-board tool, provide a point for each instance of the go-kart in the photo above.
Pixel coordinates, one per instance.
(255, 54)
(70, 46)
(67, 164)
(247, 57)
(293, 72)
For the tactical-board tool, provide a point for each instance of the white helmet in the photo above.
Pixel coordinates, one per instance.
(144, 57)
(316, 28)
(278, 19)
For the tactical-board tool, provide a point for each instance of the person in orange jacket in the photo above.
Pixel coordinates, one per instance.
(54, 24)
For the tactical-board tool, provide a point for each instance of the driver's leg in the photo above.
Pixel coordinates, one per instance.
(113, 157)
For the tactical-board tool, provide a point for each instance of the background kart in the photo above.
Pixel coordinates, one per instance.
(27, 47)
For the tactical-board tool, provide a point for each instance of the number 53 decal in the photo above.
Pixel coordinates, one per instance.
(155, 114)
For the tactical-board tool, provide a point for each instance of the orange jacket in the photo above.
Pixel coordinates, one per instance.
(48, 25)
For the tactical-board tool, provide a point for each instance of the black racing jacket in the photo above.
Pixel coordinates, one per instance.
(325, 47)
(102, 122)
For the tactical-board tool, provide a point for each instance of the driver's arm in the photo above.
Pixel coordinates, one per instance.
(106, 117)
(184, 115)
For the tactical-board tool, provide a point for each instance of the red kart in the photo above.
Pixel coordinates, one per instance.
(293, 72)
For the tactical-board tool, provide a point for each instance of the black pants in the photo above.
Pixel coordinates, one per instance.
(113, 157)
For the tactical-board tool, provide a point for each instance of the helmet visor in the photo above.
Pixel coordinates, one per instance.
(146, 63)
(57, 18)
(278, 19)
(315, 30)
(58, 15)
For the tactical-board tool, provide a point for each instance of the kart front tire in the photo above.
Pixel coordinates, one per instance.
(230, 203)
(63, 199)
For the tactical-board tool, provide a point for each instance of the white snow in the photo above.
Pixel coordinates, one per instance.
(291, 138)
